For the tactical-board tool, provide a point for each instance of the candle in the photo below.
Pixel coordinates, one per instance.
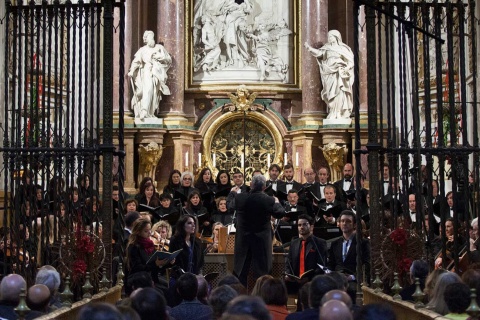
(214, 160)
(268, 160)
(199, 159)
(243, 160)
(285, 158)
(296, 159)
(186, 159)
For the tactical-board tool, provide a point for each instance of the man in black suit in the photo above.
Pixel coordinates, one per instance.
(307, 249)
(342, 255)
(346, 183)
(305, 197)
(287, 226)
(274, 182)
(290, 183)
(318, 188)
(253, 238)
(329, 211)
(239, 187)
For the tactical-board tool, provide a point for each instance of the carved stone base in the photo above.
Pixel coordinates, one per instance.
(337, 121)
(147, 122)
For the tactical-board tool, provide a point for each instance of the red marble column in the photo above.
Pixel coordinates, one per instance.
(314, 24)
(362, 60)
(171, 31)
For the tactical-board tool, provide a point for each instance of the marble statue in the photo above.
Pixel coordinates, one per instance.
(148, 73)
(266, 59)
(235, 37)
(211, 46)
(335, 60)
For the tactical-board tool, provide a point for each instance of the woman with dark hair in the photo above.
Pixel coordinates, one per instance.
(195, 208)
(85, 190)
(166, 211)
(223, 181)
(141, 188)
(274, 293)
(149, 195)
(191, 258)
(207, 188)
(139, 249)
(173, 182)
(221, 214)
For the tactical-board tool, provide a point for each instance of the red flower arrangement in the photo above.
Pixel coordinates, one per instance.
(399, 236)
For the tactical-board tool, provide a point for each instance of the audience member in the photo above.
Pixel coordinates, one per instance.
(340, 278)
(274, 294)
(339, 295)
(50, 277)
(457, 299)
(335, 310)
(259, 283)
(375, 311)
(418, 269)
(38, 299)
(302, 303)
(10, 289)
(190, 307)
(99, 311)
(431, 281)
(203, 289)
(319, 286)
(219, 298)
(437, 302)
(228, 280)
(128, 312)
(247, 306)
(149, 304)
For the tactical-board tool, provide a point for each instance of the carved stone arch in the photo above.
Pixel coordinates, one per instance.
(265, 136)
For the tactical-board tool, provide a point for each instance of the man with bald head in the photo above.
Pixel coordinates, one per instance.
(339, 295)
(10, 289)
(38, 299)
(334, 310)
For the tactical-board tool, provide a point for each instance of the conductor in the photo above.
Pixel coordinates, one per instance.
(253, 238)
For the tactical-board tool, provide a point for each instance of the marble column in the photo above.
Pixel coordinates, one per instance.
(314, 24)
(362, 60)
(171, 31)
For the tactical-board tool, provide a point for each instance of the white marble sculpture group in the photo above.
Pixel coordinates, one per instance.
(243, 46)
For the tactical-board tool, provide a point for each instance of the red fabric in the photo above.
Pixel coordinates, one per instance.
(302, 259)
(146, 244)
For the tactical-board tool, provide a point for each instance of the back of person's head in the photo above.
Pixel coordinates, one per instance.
(48, 277)
(431, 281)
(258, 182)
(471, 278)
(240, 288)
(128, 312)
(320, 285)
(149, 303)
(219, 299)
(38, 297)
(274, 292)
(339, 295)
(202, 291)
(437, 302)
(228, 280)
(11, 286)
(99, 311)
(375, 311)
(140, 279)
(248, 305)
(187, 286)
(335, 310)
(259, 283)
(339, 278)
(419, 269)
(130, 219)
(457, 297)
(303, 296)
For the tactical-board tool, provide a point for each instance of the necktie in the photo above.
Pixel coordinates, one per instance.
(290, 183)
(345, 250)
(348, 180)
(322, 185)
(302, 259)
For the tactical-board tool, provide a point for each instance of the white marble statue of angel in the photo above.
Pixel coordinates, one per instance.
(335, 60)
(210, 58)
(148, 72)
(267, 60)
(234, 36)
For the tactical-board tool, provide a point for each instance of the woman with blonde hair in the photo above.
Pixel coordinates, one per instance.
(161, 234)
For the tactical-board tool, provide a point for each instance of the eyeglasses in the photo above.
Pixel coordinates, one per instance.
(187, 179)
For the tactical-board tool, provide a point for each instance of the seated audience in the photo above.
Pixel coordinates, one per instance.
(190, 308)
(457, 299)
(247, 306)
(99, 311)
(203, 289)
(38, 299)
(418, 269)
(437, 302)
(10, 289)
(50, 277)
(149, 304)
(219, 298)
(334, 310)
(274, 293)
(375, 311)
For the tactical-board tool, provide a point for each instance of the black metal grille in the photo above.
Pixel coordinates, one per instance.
(58, 131)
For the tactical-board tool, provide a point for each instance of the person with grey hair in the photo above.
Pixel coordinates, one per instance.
(186, 187)
(10, 289)
(253, 238)
(50, 277)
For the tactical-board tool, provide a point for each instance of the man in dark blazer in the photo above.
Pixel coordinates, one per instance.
(346, 183)
(314, 253)
(329, 211)
(290, 183)
(342, 255)
(274, 184)
(253, 238)
(239, 187)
